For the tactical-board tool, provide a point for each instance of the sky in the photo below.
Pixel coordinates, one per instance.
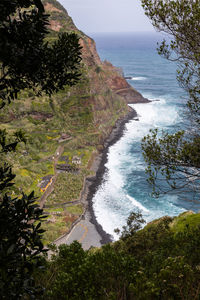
(93, 16)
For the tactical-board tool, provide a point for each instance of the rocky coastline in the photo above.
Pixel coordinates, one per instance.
(92, 183)
(99, 166)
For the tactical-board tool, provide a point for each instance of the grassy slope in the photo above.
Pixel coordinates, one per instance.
(177, 224)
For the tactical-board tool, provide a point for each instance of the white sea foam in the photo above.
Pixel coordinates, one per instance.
(137, 204)
(112, 203)
(110, 209)
(138, 78)
(151, 115)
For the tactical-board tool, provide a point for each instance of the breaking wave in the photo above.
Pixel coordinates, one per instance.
(138, 78)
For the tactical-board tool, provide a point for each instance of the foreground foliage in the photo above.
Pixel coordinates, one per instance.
(20, 246)
(27, 61)
(175, 157)
(160, 261)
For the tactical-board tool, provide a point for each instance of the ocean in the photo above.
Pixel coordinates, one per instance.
(124, 187)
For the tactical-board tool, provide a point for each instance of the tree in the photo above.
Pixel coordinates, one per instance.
(27, 60)
(161, 261)
(175, 157)
(20, 232)
(180, 21)
(134, 223)
(20, 247)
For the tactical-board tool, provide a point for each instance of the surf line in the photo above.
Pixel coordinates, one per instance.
(137, 204)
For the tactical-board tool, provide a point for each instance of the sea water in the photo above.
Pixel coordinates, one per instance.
(124, 186)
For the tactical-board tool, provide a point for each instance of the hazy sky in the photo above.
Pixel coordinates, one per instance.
(107, 15)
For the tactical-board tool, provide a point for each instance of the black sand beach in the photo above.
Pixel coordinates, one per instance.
(87, 225)
(99, 165)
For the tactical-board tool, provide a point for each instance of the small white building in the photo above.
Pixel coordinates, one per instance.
(76, 160)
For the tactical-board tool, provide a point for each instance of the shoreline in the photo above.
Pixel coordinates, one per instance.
(99, 236)
(92, 183)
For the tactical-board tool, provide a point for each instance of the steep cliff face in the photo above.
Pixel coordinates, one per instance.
(109, 74)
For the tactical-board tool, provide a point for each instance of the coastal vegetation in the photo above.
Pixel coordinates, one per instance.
(160, 261)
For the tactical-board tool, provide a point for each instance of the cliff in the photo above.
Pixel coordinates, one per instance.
(74, 123)
(110, 75)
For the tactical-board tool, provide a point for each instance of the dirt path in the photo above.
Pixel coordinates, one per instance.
(49, 190)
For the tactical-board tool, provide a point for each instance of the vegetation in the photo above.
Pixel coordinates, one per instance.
(59, 221)
(61, 194)
(26, 61)
(20, 247)
(160, 261)
(175, 157)
(55, 226)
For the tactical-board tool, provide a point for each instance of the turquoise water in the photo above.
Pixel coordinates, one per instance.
(124, 186)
